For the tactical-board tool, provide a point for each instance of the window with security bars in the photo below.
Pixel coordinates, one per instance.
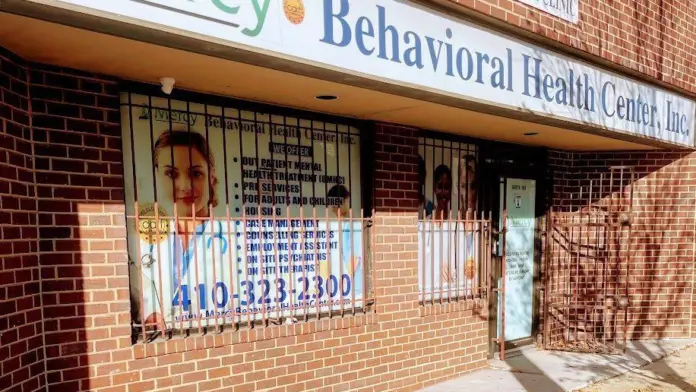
(241, 217)
(453, 232)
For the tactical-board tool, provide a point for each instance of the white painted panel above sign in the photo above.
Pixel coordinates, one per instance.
(564, 9)
(403, 43)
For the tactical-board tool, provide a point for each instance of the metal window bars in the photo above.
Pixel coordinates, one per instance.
(240, 218)
(454, 258)
(454, 237)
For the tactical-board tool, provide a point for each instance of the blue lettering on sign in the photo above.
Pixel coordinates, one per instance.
(221, 295)
(365, 28)
(630, 109)
(390, 44)
(557, 83)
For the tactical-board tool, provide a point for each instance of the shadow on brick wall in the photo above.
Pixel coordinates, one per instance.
(76, 140)
(658, 257)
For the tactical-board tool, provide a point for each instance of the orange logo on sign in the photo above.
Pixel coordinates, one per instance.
(153, 226)
(294, 11)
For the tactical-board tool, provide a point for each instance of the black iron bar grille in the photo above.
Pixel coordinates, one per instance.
(241, 217)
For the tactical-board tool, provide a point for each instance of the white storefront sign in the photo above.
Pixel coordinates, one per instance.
(564, 9)
(406, 44)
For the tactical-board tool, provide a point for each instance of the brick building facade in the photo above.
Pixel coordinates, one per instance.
(64, 287)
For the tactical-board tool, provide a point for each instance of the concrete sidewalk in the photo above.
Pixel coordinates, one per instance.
(675, 373)
(555, 371)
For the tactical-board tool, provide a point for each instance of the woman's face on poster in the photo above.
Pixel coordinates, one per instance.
(443, 190)
(467, 193)
(343, 208)
(183, 179)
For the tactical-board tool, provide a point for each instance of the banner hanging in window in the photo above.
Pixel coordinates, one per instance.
(239, 214)
(449, 236)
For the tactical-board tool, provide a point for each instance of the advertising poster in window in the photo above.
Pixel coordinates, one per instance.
(236, 215)
(448, 244)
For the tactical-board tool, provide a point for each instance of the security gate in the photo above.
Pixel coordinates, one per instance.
(587, 267)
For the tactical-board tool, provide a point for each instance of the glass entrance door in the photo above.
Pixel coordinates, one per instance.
(514, 184)
(516, 281)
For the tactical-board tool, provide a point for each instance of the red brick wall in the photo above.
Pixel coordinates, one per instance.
(565, 181)
(84, 275)
(653, 37)
(81, 216)
(21, 345)
(85, 280)
(396, 169)
(662, 238)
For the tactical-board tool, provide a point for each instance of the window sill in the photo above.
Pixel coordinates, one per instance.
(452, 306)
(245, 336)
